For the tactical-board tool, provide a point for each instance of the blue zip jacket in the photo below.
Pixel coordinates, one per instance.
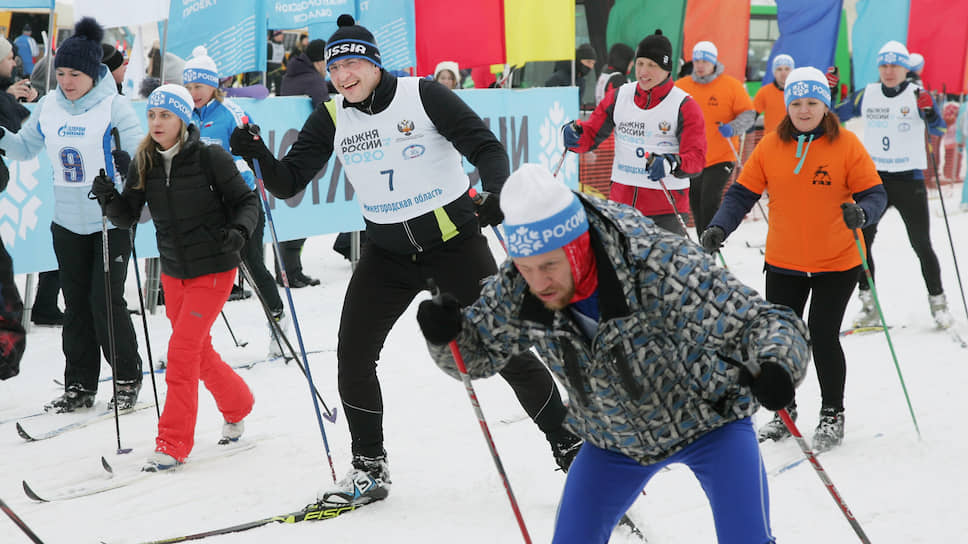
(216, 121)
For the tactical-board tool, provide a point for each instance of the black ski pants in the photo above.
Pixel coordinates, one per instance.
(254, 254)
(382, 286)
(706, 193)
(910, 197)
(85, 333)
(829, 293)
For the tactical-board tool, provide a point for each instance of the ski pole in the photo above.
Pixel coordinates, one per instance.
(231, 333)
(465, 377)
(944, 212)
(141, 298)
(560, 162)
(887, 333)
(792, 427)
(20, 523)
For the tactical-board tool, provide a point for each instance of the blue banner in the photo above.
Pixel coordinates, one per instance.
(287, 14)
(808, 33)
(878, 22)
(234, 36)
(527, 122)
(26, 4)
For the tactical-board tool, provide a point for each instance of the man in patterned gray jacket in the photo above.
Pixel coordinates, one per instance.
(646, 333)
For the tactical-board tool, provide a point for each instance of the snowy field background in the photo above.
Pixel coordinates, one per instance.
(445, 487)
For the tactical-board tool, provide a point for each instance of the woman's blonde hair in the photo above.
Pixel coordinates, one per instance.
(144, 157)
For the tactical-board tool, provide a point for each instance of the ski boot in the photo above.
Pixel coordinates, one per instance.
(366, 482)
(830, 429)
(74, 397)
(275, 344)
(776, 430)
(231, 432)
(868, 316)
(159, 462)
(127, 395)
(939, 311)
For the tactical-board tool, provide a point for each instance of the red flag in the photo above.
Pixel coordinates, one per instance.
(441, 35)
(705, 22)
(937, 30)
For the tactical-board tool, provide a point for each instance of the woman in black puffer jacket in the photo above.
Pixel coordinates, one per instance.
(203, 213)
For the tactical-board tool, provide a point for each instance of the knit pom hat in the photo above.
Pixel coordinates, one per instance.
(657, 48)
(82, 51)
(806, 82)
(111, 57)
(541, 214)
(200, 68)
(915, 62)
(705, 51)
(783, 60)
(352, 41)
(316, 50)
(893, 52)
(450, 65)
(5, 48)
(173, 98)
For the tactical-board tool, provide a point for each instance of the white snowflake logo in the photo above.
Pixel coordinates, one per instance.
(551, 143)
(524, 242)
(18, 206)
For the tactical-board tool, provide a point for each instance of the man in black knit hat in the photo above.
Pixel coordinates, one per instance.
(390, 134)
(660, 140)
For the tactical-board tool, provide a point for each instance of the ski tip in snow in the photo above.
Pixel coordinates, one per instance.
(23, 434)
(106, 465)
(30, 493)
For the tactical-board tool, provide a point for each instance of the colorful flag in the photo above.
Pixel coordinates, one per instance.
(706, 20)
(539, 30)
(631, 20)
(468, 33)
(938, 31)
(878, 22)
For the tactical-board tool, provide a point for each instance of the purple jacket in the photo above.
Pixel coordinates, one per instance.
(302, 78)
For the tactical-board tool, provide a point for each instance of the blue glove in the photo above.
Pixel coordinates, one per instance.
(726, 130)
(570, 133)
(657, 170)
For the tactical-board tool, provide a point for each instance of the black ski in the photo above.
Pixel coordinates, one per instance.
(312, 512)
(103, 415)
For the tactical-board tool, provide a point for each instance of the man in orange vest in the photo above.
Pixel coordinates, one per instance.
(728, 112)
(769, 99)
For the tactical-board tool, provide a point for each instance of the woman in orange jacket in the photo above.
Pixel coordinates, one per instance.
(823, 188)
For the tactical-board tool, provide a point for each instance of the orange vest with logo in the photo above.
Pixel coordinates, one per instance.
(721, 100)
(807, 231)
(769, 102)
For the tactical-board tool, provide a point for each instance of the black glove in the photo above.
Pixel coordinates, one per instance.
(122, 161)
(233, 239)
(4, 175)
(489, 212)
(103, 188)
(854, 216)
(440, 320)
(773, 387)
(712, 238)
(246, 143)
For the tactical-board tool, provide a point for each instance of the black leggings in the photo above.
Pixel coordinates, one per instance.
(706, 193)
(382, 286)
(254, 255)
(910, 198)
(829, 293)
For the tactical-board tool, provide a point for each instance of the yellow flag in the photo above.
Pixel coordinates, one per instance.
(539, 30)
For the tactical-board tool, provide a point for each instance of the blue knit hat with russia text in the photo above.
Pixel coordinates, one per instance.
(806, 82)
(893, 52)
(173, 98)
(200, 68)
(541, 213)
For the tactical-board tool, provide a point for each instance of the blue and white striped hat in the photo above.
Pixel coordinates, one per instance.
(705, 51)
(200, 68)
(541, 213)
(173, 98)
(806, 82)
(915, 62)
(783, 60)
(893, 52)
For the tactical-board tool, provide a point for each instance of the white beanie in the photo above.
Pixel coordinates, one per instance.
(806, 82)
(541, 213)
(783, 60)
(915, 62)
(705, 51)
(448, 65)
(200, 68)
(893, 52)
(5, 48)
(173, 98)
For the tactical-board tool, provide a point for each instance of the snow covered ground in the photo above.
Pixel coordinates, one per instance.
(902, 489)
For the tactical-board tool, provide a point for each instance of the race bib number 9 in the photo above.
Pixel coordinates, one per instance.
(72, 165)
